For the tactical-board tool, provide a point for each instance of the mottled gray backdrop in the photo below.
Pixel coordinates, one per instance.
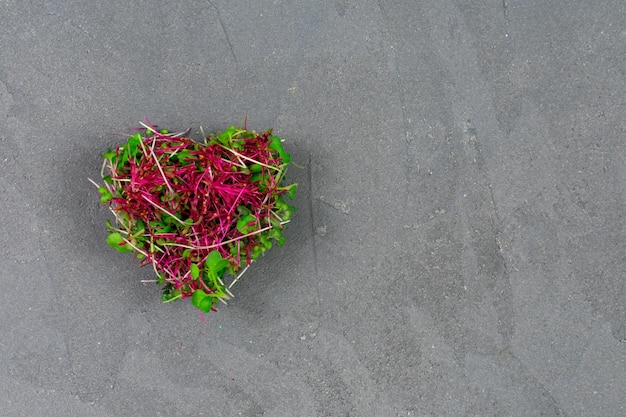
(459, 247)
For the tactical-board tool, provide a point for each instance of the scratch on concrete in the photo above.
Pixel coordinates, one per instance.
(221, 21)
(505, 11)
(6, 98)
(339, 205)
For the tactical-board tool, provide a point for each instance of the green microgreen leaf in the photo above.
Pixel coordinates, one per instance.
(292, 191)
(246, 224)
(215, 263)
(277, 145)
(109, 154)
(201, 300)
(194, 271)
(116, 241)
(226, 136)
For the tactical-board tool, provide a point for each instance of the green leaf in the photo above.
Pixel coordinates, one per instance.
(257, 177)
(243, 210)
(194, 271)
(206, 304)
(123, 158)
(182, 157)
(225, 137)
(109, 154)
(170, 294)
(266, 242)
(256, 252)
(201, 300)
(116, 241)
(106, 197)
(292, 191)
(277, 145)
(281, 205)
(133, 144)
(245, 224)
(197, 296)
(215, 263)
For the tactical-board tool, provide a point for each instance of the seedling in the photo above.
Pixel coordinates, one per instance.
(197, 212)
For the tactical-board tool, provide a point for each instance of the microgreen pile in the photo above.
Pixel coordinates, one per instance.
(197, 212)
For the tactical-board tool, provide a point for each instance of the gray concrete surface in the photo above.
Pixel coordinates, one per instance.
(459, 246)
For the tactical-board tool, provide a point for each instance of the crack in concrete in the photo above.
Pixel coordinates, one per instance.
(313, 237)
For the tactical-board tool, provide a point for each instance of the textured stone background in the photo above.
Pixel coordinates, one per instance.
(459, 246)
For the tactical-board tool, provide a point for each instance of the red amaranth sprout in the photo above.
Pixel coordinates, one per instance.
(196, 211)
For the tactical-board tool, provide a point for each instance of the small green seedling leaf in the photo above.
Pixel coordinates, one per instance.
(194, 271)
(160, 278)
(182, 157)
(215, 263)
(226, 136)
(277, 145)
(109, 154)
(292, 191)
(105, 194)
(133, 144)
(201, 300)
(171, 295)
(246, 224)
(116, 241)
(243, 210)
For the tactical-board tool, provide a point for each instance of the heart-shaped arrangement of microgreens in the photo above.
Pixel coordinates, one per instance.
(197, 211)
